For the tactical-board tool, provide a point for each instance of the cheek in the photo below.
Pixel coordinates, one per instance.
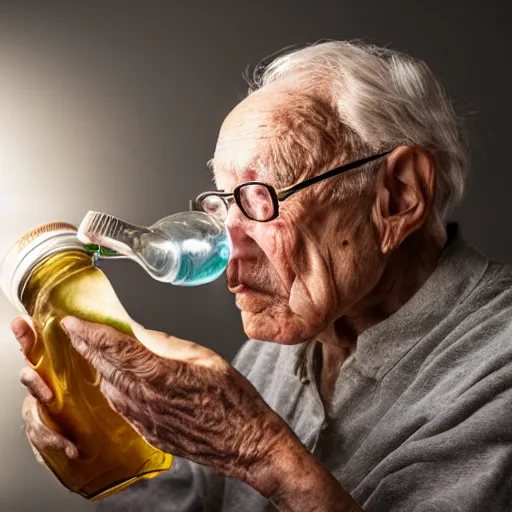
(297, 257)
(359, 266)
(277, 241)
(313, 294)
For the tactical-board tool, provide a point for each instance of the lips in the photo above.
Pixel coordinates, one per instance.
(243, 279)
(236, 282)
(239, 288)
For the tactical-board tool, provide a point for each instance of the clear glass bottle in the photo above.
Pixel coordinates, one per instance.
(186, 249)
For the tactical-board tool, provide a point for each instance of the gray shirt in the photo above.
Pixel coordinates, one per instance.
(421, 419)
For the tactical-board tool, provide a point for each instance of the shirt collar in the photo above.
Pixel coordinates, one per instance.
(459, 269)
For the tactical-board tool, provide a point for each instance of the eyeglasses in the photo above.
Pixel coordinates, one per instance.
(260, 201)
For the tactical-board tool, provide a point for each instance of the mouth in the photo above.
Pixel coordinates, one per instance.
(249, 299)
(243, 288)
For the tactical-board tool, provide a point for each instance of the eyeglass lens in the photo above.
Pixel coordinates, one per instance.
(256, 201)
(215, 206)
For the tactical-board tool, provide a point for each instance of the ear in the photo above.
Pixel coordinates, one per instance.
(405, 194)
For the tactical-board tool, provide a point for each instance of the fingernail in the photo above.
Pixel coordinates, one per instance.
(70, 323)
(71, 452)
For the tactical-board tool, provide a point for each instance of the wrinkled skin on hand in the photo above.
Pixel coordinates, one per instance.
(181, 397)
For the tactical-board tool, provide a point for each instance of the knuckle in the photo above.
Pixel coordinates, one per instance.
(52, 440)
(99, 336)
(103, 338)
(44, 441)
(26, 376)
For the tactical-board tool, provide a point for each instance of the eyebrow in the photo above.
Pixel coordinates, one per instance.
(251, 166)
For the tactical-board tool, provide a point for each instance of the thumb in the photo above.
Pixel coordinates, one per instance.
(91, 335)
(101, 344)
(173, 348)
(116, 356)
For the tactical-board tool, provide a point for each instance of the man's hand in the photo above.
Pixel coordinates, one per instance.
(39, 435)
(186, 400)
(181, 397)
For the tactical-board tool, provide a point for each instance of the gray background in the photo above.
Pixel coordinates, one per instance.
(115, 106)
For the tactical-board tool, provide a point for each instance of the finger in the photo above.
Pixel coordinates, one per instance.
(119, 358)
(144, 342)
(176, 349)
(24, 331)
(39, 435)
(92, 334)
(37, 455)
(36, 385)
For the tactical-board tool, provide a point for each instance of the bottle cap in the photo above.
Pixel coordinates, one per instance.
(28, 251)
(110, 233)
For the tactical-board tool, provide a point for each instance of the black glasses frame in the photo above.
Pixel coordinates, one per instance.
(281, 195)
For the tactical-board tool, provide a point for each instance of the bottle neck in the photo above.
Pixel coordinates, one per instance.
(47, 273)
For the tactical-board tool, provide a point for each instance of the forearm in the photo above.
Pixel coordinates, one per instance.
(294, 481)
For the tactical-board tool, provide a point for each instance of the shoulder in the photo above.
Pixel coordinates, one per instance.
(470, 359)
(489, 307)
(496, 282)
(477, 333)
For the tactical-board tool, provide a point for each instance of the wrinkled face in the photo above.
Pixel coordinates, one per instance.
(293, 277)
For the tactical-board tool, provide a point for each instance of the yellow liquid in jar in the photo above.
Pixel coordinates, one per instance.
(112, 455)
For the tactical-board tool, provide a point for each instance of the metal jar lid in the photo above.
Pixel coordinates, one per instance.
(28, 251)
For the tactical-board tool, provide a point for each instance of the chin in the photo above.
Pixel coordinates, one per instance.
(276, 327)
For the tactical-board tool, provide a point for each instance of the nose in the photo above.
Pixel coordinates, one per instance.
(239, 227)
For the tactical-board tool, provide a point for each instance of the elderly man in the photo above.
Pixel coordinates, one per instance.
(379, 371)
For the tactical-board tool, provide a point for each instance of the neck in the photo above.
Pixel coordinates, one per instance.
(407, 269)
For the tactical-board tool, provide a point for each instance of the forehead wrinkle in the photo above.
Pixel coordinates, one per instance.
(252, 170)
(248, 157)
(268, 139)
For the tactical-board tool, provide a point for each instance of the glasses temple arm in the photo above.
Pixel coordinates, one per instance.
(193, 206)
(287, 192)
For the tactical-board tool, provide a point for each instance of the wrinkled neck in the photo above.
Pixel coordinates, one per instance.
(407, 269)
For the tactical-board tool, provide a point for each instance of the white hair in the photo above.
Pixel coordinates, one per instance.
(382, 99)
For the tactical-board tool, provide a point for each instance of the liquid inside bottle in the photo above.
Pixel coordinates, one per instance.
(112, 454)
